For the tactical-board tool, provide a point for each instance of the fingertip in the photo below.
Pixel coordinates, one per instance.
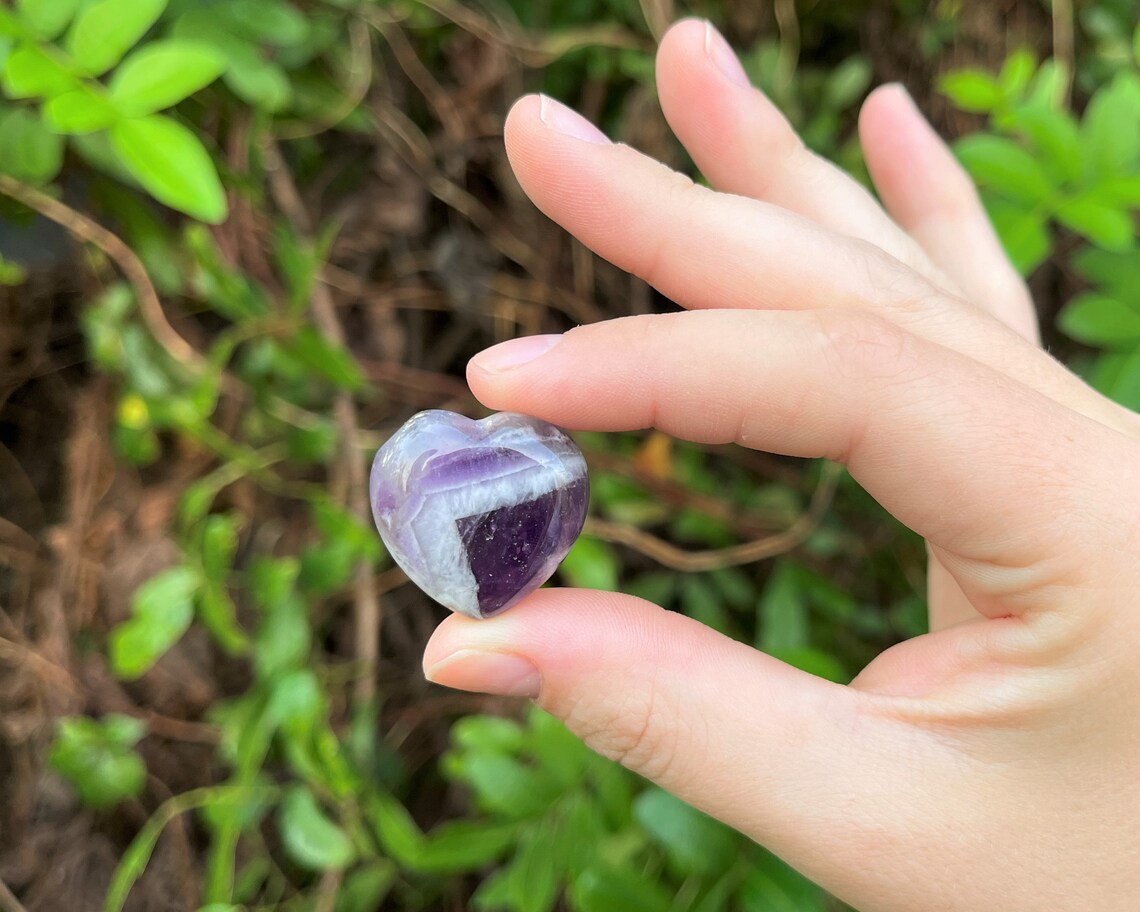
(682, 34)
(521, 118)
(887, 110)
(526, 108)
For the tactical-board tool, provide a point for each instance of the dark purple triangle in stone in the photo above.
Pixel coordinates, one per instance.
(506, 546)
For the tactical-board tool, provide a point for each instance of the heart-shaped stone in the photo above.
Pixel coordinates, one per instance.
(478, 513)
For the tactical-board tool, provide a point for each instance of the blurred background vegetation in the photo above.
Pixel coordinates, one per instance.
(241, 242)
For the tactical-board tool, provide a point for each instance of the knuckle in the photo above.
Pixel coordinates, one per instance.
(865, 347)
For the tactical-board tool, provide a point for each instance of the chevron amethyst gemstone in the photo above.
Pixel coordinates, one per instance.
(478, 513)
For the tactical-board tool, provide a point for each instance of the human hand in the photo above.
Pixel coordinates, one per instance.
(993, 763)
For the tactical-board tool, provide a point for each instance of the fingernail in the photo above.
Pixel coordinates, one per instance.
(487, 672)
(559, 117)
(514, 353)
(722, 56)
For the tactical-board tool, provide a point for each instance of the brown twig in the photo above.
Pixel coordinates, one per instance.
(46, 670)
(1064, 46)
(422, 78)
(669, 555)
(534, 50)
(658, 16)
(359, 81)
(748, 523)
(328, 891)
(177, 348)
(366, 602)
(789, 52)
(86, 229)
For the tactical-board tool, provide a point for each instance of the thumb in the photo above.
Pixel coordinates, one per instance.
(798, 763)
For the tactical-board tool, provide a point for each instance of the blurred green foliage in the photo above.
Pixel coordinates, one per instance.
(125, 97)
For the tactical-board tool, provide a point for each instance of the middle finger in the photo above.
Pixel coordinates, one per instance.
(713, 250)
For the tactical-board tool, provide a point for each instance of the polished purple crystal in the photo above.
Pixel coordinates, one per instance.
(478, 513)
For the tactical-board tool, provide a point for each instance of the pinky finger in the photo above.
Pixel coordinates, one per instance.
(931, 196)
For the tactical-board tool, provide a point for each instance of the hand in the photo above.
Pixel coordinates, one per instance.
(993, 763)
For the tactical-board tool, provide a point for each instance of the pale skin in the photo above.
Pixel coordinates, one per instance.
(992, 764)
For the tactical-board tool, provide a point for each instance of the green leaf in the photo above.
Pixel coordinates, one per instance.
(163, 73)
(10, 27)
(218, 615)
(283, 640)
(268, 21)
(259, 82)
(1110, 131)
(1100, 320)
(1024, 233)
(1048, 88)
(107, 29)
(694, 842)
(250, 75)
(364, 889)
(1054, 135)
(311, 839)
(783, 620)
(463, 845)
(397, 833)
(329, 360)
(848, 83)
(219, 543)
(591, 564)
(28, 151)
(162, 609)
(502, 784)
(488, 733)
(561, 755)
(11, 274)
(535, 871)
(30, 72)
(312, 444)
(79, 111)
(772, 886)
(1016, 73)
(1104, 225)
(171, 164)
(1003, 165)
(606, 889)
(97, 758)
(272, 580)
(47, 18)
(1120, 192)
(971, 90)
(328, 566)
(296, 703)
(701, 601)
(1119, 273)
(1118, 377)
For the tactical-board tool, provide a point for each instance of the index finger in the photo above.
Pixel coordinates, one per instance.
(947, 445)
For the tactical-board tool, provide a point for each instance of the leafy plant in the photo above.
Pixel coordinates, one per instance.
(581, 829)
(1038, 164)
(59, 58)
(98, 758)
